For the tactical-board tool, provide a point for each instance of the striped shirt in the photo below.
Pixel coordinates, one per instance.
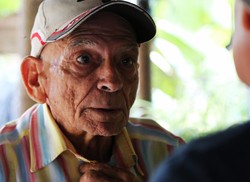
(33, 148)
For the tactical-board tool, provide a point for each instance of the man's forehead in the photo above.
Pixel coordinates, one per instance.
(92, 40)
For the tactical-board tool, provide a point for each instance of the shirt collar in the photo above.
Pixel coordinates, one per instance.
(46, 139)
(124, 152)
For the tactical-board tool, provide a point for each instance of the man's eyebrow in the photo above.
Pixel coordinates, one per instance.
(84, 42)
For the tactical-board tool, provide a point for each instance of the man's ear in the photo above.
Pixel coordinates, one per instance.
(31, 68)
(246, 17)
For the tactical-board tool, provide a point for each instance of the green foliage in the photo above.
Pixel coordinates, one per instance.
(169, 84)
(195, 87)
(8, 7)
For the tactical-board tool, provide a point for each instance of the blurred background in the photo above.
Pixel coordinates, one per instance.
(193, 86)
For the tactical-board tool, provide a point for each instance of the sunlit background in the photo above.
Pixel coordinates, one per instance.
(195, 89)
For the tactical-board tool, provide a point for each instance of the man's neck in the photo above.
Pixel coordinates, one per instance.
(91, 147)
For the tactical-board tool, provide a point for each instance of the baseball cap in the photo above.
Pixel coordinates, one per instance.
(56, 19)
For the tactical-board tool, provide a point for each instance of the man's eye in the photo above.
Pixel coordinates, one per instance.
(83, 59)
(128, 62)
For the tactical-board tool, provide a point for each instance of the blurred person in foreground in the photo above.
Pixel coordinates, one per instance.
(83, 72)
(225, 155)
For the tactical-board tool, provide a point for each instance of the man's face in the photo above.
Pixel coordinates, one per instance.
(91, 76)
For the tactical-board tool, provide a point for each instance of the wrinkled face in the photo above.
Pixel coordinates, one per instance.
(91, 76)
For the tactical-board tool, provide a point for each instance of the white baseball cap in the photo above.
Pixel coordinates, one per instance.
(56, 19)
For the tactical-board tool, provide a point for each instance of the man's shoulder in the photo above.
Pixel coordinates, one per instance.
(150, 130)
(7, 131)
(13, 131)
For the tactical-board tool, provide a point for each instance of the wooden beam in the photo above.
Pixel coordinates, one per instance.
(144, 60)
(9, 33)
(145, 72)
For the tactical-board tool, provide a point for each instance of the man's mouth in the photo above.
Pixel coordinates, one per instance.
(108, 110)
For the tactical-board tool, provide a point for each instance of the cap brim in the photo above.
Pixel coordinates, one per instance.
(140, 20)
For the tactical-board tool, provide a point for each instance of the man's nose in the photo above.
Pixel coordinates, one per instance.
(110, 80)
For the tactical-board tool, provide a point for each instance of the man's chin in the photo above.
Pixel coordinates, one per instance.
(108, 131)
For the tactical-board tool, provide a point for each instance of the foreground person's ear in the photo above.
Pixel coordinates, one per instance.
(31, 69)
(246, 18)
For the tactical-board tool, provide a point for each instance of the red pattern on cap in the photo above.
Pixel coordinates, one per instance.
(72, 23)
(37, 35)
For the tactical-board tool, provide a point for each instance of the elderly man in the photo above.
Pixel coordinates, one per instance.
(83, 72)
(223, 156)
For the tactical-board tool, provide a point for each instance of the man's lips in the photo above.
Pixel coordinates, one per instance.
(102, 111)
(104, 114)
(105, 109)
